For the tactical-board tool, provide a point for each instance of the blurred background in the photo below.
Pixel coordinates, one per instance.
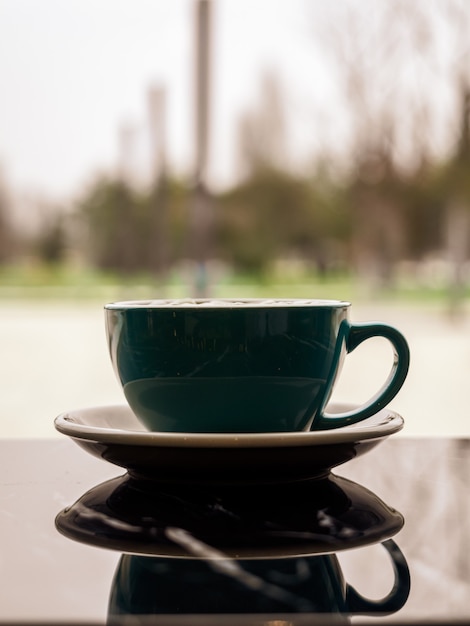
(271, 148)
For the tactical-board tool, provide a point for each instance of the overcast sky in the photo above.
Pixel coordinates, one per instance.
(72, 72)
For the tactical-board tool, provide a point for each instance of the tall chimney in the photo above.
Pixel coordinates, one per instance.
(201, 214)
(202, 87)
(156, 101)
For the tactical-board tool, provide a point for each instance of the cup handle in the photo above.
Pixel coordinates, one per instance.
(397, 597)
(353, 335)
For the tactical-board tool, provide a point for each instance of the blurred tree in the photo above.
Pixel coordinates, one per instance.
(5, 233)
(51, 243)
(130, 230)
(423, 213)
(275, 214)
(165, 224)
(7, 238)
(156, 234)
(258, 219)
(454, 191)
(388, 56)
(112, 211)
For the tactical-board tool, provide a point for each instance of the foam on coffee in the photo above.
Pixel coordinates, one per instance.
(225, 303)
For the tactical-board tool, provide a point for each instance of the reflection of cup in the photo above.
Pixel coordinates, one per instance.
(202, 548)
(314, 584)
(240, 365)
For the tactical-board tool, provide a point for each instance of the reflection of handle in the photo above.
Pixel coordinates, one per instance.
(395, 599)
(355, 335)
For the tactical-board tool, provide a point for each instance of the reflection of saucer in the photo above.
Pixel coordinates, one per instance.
(308, 517)
(114, 434)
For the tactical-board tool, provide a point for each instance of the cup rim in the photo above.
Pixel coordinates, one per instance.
(226, 304)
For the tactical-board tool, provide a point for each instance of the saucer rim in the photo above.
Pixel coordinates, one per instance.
(67, 424)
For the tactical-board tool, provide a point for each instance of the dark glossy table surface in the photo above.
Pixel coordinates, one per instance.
(390, 532)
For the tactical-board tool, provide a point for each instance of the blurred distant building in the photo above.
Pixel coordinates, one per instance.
(262, 132)
(156, 101)
(127, 163)
(28, 211)
(142, 150)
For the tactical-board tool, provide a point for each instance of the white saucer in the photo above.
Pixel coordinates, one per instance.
(115, 434)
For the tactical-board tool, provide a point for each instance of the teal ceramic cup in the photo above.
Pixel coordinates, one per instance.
(239, 366)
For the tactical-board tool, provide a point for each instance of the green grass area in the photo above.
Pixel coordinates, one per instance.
(34, 281)
(67, 282)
